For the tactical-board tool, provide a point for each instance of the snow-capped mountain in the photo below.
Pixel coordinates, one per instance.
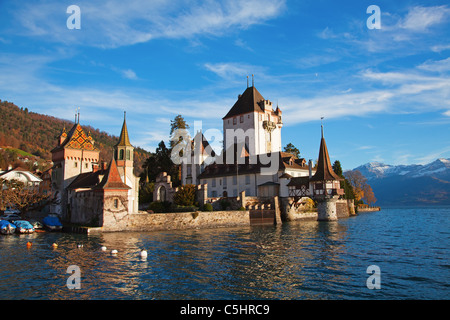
(427, 184)
(374, 170)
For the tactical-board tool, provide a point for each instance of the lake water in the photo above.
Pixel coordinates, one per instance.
(297, 260)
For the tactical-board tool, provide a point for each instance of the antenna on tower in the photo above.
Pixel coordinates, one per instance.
(78, 114)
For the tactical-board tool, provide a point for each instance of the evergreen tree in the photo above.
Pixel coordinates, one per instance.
(346, 185)
(290, 148)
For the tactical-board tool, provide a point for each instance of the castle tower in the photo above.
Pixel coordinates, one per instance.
(123, 154)
(74, 154)
(326, 185)
(253, 122)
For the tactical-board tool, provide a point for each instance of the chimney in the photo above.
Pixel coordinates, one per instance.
(310, 168)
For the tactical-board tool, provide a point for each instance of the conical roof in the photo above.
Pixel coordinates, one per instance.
(324, 171)
(124, 140)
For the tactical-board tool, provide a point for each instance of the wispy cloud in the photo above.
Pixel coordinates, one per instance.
(117, 23)
(420, 19)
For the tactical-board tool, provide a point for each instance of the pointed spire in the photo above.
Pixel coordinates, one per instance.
(124, 139)
(324, 170)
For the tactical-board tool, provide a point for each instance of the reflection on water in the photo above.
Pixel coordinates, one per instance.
(301, 260)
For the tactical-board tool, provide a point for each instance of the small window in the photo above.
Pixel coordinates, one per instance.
(234, 120)
(121, 154)
(86, 165)
(241, 119)
(116, 203)
(128, 155)
(75, 164)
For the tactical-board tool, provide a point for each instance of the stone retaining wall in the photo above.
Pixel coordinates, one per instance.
(177, 221)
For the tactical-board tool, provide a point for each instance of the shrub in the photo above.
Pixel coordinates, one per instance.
(224, 204)
(242, 209)
(185, 196)
(159, 207)
(207, 207)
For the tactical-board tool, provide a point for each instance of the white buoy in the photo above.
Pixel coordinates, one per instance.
(103, 248)
(143, 254)
(114, 251)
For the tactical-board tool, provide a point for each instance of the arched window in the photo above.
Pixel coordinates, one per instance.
(128, 154)
(121, 154)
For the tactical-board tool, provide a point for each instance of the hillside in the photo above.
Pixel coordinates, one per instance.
(22, 131)
(427, 184)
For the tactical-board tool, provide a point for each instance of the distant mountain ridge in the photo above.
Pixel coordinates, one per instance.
(416, 184)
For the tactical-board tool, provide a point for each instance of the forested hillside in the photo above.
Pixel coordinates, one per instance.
(36, 134)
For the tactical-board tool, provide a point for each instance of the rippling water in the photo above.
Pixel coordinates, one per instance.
(298, 260)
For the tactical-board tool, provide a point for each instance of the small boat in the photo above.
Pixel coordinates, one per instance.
(52, 223)
(7, 227)
(23, 226)
(36, 224)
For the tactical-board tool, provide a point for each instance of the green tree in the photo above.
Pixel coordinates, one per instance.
(178, 130)
(345, 184)
(290, 148)
(185, 196)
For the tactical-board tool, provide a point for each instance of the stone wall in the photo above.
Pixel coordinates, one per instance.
(176, 221)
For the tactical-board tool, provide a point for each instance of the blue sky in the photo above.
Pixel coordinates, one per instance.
(384, 93)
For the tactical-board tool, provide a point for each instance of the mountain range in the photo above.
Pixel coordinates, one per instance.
(416, 184)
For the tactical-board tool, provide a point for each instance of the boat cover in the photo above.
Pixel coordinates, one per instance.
(52, 221)
(23, 224)
(4, 224)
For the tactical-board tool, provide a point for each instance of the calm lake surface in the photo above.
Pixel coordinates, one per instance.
(297, 260)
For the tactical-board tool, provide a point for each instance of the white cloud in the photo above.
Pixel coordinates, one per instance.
(436, 66)
(129, 74)
(117, 23)
(420, 19)
(446, 113)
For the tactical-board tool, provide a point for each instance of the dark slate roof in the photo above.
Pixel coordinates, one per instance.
(324, 171)
(86, 180)
(246, 166)
(247, 102)
(298, 181)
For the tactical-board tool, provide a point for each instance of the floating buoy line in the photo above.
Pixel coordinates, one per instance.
(142, 254)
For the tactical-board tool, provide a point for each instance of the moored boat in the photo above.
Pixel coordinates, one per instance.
(52, 223)
(23, 226)
(7, 227)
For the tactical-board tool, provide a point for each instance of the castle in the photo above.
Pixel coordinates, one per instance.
(252, 163)
(88, 192)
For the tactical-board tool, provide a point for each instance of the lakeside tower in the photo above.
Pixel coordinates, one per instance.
(326, 185)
